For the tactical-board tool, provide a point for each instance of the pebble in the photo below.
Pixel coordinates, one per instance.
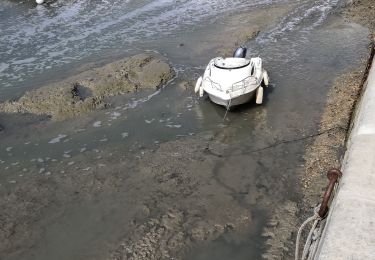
(174, 126)
(97, 124)
(57, 139)
(115, 115)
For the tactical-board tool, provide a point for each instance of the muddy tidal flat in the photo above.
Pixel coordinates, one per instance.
(107, 153)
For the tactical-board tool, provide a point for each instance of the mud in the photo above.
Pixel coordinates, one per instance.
(324, 151)
(241, 28)
(362, 12)
(279, 231)
(176, 197)
(160, 203)
(328, 148)
(87, 91)
(190, 207)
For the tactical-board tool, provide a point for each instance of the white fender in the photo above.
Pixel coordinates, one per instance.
(198, 85)
(39, 2)
(201, 91)
(259, 97)
(266, 79)
(257, 63)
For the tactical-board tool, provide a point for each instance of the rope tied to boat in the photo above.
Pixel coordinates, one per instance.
(318, 219)
(228, 106)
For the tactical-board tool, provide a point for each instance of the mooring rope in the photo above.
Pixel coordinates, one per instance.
(318, 219)
(228, 106)
(309, 241)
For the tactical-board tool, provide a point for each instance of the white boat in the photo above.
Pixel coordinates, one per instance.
(233, 81)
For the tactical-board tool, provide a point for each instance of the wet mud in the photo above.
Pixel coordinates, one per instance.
(362, 12)
(328, 148)
(233, 187)
(240, 29)
(177, 197)
(86, 92)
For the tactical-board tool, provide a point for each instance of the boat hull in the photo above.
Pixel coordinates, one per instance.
(234, 101)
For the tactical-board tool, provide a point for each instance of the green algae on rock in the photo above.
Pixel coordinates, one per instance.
(86, 91)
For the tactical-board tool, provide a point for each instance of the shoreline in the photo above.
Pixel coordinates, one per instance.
(328, 149)
(165, 191)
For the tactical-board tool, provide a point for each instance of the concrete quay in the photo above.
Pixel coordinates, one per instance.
(350, 228)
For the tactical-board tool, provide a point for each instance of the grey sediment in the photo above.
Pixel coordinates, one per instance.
(328, 146)
(163, 219)
(87, 91)
(173, 205)
(327, 150)
(355, 198)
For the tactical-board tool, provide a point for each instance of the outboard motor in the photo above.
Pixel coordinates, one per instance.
(240, 52)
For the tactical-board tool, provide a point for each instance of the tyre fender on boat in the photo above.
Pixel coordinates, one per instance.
(259, 96)
(266, 79)
(198, 85)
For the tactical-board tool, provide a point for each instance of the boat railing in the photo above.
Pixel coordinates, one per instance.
(214, 84)
(250, 80)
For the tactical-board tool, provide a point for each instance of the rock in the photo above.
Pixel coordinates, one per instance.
(86, 91)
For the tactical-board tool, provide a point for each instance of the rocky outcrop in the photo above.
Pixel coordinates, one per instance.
(86, 91)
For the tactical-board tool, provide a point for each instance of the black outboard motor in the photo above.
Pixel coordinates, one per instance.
(240, 52)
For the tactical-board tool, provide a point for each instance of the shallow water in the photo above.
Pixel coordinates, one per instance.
(40, 41)
(303, 53)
